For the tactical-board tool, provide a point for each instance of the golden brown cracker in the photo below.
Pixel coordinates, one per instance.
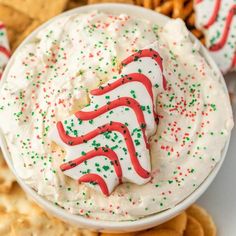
(39, 224)
(193, 228)
(13, 18)
(177, 224)
(6, 221)
(16, 201)
(2, 160)
(7, 179)
(85, 232)
(121, 234)
(37, 9)
(73, 231)
(25, 217)
(203, 218)
(159, 232)
(75, 3)
(22, 36)
(12, 35)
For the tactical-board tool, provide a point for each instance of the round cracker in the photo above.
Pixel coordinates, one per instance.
(16, 201)
(193, 228)
(122, 234)
(20, 216)
(6, 222)
(159, 232)
(177, 224)
(85, 232)
(37, 224)
(203, 218)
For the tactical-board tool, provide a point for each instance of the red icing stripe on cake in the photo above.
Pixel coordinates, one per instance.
(226, 30)
(147, 53)
(102, 151)
(5, 51)
(214, 14)
(112, 126)
(124, 101)
(97, 179)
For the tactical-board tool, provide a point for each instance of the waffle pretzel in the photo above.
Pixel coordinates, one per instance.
(175, 9)
(166, 8)
(110, 1)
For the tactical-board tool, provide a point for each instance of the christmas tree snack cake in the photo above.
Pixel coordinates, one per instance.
(112, 117)
(4, 48)
(216, 18)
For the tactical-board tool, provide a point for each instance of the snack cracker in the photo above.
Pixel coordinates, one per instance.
(39, 9)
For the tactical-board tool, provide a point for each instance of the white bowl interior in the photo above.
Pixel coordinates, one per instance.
(126, 226)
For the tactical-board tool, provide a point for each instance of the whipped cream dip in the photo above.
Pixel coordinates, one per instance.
(50, 80)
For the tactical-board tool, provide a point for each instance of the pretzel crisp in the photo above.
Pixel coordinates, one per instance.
(175, 9)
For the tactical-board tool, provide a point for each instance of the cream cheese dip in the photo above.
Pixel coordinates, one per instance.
(50, 80)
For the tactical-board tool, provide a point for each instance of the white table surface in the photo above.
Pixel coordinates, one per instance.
(220, 198)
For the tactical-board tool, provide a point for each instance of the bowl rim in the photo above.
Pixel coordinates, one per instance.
(115, 226)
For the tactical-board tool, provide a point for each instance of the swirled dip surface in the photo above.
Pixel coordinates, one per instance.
(49, 79)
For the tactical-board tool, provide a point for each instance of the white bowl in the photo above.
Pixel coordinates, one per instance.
(125, 226)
